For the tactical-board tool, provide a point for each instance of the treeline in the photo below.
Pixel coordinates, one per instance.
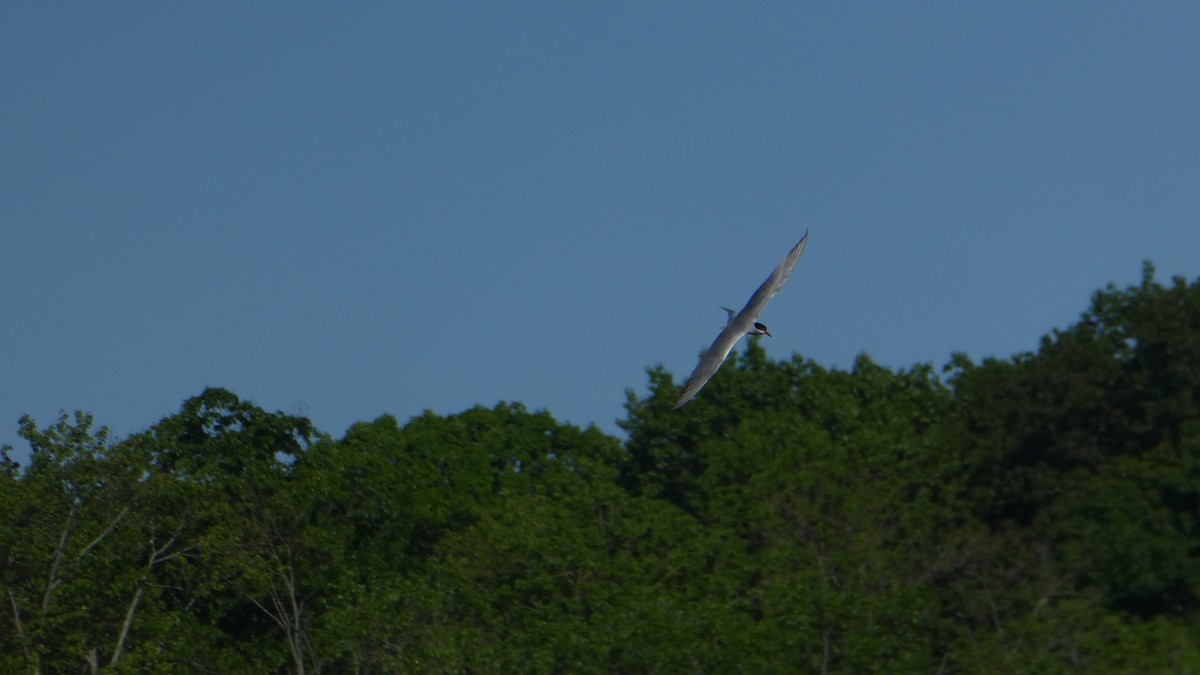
(1036, 514)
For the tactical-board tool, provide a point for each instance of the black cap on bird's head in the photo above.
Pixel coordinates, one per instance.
(762, 329)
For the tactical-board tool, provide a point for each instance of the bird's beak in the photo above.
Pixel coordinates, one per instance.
(768, 333)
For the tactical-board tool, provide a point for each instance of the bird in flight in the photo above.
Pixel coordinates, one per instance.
(741, 323)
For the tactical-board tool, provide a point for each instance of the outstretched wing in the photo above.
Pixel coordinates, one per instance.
(710, 362)
(739, 324)
(774, 282)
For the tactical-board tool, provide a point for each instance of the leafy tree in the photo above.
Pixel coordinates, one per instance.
(821, 493)
(70, 512)
(1081, 462)
(1033, 514)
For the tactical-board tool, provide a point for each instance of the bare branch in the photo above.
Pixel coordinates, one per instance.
(20, 626)
(162, 643)
(825, 653)
(154, 555)
(119, 647)
(281, 623)
(52, 578)
(154, 558)
(100, 537)
(289, 608)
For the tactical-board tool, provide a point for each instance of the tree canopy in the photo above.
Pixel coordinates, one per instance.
(1039, 513)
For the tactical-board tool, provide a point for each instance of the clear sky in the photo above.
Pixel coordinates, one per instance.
(349, 209)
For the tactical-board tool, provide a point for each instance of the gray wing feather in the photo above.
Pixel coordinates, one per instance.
(711, 361)
(771, 286)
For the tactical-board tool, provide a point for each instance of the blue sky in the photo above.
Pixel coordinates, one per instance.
(345, 210)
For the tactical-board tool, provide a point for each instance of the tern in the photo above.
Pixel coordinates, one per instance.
(741, 323)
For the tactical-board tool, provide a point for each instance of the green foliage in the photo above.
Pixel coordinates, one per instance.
(1038, 514)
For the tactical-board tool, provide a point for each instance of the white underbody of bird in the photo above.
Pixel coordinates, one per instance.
(741, 323)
